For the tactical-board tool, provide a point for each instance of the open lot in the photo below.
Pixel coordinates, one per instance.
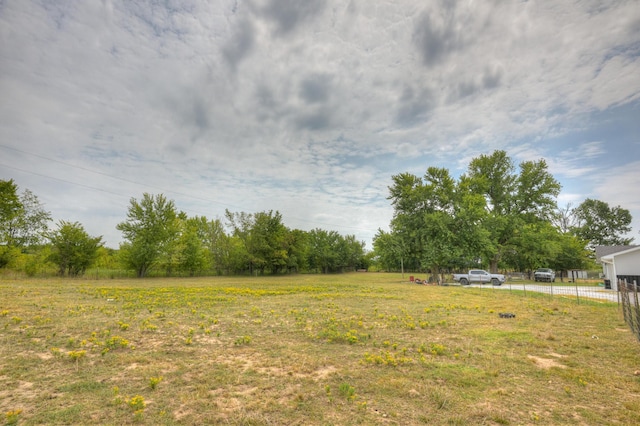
(360, 348)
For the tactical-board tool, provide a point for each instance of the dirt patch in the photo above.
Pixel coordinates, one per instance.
(555, 355)
(546, 363)
(324, 372)
(255, 362)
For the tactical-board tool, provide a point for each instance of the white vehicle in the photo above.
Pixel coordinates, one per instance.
(544, 274)
(479, 276)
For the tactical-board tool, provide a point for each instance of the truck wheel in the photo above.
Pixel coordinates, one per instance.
(464, 281)
(495, 281)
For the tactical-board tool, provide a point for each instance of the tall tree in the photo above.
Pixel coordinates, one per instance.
(437, 220)
(264, 237)
(564, 219)
(323, 253)
(513, 199)
(216, 242)
(571, 254)
(73, 250)
(23, 219)
(150, 230)
(192, 252)
(388, 251)
(10, 207)
(534, 245)
(602, 225)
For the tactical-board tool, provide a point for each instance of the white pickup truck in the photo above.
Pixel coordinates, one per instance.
(479, 276)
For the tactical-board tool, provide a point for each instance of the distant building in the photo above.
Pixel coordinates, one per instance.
(619, 263)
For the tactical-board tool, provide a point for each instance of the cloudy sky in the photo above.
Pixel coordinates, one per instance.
(309, 107)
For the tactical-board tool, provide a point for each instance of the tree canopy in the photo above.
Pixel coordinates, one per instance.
(73, 250)
(495, 214)
(149, 232)
(602, 225)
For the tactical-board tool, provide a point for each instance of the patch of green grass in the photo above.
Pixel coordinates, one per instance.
(307, 349)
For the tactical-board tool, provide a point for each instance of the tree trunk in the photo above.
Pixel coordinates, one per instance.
(493, 265)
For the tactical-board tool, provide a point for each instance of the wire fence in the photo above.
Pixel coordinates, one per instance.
(626, 296)
(580, 292)
(630, 305)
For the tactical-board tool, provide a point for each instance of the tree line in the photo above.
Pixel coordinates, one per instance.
(496, 216)
(160, 238)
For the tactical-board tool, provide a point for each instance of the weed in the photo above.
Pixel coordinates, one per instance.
(242, 340)
(154, 381)
(136, 403)
(347, 391)
(75, 356)
(12, 417)
(116, 342)
(438, 349)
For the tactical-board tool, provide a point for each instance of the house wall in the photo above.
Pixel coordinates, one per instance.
(628, 264)
(610, 274)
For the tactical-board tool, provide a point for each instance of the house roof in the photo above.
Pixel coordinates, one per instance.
(608, 252)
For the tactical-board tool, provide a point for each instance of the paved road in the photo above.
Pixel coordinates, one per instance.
(581, 291)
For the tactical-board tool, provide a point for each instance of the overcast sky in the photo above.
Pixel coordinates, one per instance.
(309, 107)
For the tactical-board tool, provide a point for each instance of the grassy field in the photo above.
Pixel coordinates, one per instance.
(304, 350)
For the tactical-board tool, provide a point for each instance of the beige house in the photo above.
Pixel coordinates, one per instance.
(619, 263)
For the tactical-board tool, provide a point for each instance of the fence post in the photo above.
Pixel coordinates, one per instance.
(577, 295)
(626, 304)
(635, 313)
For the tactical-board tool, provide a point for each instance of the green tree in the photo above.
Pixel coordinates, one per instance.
(602, 225)
(150, 231)
(323, 254)
(192, 252)
(571, 254)
(350, 253)
(73, 250)
(23, 220)
(264, 237)
(297, 250)
(436, 221)
(512, 199)
(534, 245)
(389, 251)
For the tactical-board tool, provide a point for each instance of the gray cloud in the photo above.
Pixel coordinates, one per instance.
(315, 88)
(241, 43)
(436, 34)
(492, 77)
(287, 15)
(414, 106)
(319, 119)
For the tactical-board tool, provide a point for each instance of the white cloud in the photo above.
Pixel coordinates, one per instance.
(261, 104)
